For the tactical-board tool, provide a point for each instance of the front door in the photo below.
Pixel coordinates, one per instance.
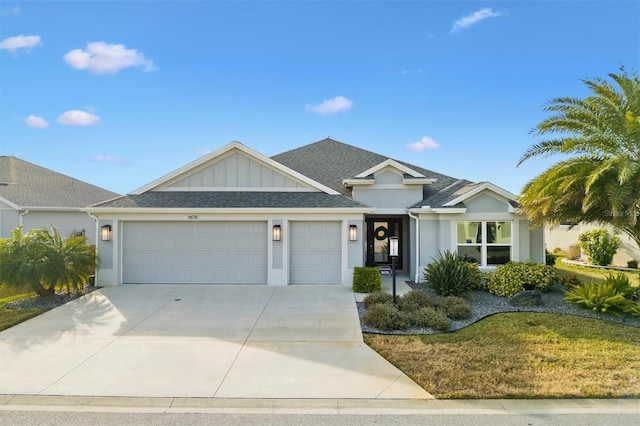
(378, 232)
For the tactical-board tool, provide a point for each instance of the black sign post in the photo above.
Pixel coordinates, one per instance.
(393, 252)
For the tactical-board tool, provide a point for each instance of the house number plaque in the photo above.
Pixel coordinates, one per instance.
(192, 217)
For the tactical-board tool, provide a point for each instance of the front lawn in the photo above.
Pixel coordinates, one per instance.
(521, 355)
(11, 317)
(586, 274)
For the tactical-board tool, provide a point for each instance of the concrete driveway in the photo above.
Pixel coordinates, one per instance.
(218, 341)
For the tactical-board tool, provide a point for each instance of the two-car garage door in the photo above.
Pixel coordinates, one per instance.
(227, 252)
(195, 252)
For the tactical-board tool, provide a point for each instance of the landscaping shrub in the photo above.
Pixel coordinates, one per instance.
(599, 246)
(512, 277)
(386, 317)
(450, 275)
(602, 297)
(633, 264)
(621, 283)
(366, 279)
(550, 258)
(455, 308)
(416, 299)
(430, 317)
(376, 298)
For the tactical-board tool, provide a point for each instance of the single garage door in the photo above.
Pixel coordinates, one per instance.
(316, 253)
(195, 252)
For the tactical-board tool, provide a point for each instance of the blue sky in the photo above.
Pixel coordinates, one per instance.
(119, 93)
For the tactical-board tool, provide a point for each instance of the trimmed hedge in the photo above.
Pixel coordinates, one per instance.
(366, 279)
(513, 277)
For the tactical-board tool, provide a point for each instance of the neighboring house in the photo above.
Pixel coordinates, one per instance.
(306, 216)
(564, 236)
(35, 197)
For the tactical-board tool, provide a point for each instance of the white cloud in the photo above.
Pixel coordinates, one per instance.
(78, 118)
(19, 42)
(331, 106)
(36, 122)
(109, 159)
(414, 72)
(15, 10)
(103, 58)
(474, 18)
(422, 144)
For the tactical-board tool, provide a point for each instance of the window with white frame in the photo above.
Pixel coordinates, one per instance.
(486, 242)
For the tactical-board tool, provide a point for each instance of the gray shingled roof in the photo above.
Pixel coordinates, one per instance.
(329, 162)
(206, 199)
(28, 185)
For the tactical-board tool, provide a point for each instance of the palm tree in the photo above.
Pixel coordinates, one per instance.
(600, 181)
(43, 261)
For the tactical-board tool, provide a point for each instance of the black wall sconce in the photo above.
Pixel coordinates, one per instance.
(353, 233)
(277, 233)
(105, 233)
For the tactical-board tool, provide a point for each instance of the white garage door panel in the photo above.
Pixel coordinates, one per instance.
(188, 252)
(316, 253)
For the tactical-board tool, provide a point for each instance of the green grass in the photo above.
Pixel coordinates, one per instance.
(586, 274)
(521, 355)
(11, 317)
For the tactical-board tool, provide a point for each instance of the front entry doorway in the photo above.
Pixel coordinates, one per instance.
(378, 232)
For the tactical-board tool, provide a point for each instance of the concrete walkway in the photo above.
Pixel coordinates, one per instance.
(197, 341)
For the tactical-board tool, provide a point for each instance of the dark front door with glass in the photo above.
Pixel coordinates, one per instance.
(378, 232)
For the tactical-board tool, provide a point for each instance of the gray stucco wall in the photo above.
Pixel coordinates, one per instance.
(65, 222)
(430, 236)
(356, 248)
(8, 221)
(278, 249)
(525, 244)
(536, 245)
(105, 248)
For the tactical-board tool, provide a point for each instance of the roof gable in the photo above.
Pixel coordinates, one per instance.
(469, 191)
(390, 164)
(330, 162)
(235, 167)
(26, 185)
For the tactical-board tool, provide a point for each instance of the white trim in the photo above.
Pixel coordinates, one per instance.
(352, 182)
(392, 163)
(438, 210)
(9, 203)
(418, 181)
(228, 147)
(235, 211)
(479, 188)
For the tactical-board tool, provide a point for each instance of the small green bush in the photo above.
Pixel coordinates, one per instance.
(366, 279)
(450, 275)
(599, 246)
(416, 299)
(512, 277)
(455, 308)
(621, 283)
(430, 317)
(632, 264)
(386, 317)
(379, 297)
(550, 258)
(602, 297)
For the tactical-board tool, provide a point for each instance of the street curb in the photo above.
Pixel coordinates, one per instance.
(317, 406)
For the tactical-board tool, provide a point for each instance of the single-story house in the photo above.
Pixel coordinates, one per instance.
(35, 197)
(306, 216)
(564, 236)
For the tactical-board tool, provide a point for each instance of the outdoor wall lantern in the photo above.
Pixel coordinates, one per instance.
(353, 233)
(105, 233)
(277, 232)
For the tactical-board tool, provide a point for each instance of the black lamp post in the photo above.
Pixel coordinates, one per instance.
(393, 252)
